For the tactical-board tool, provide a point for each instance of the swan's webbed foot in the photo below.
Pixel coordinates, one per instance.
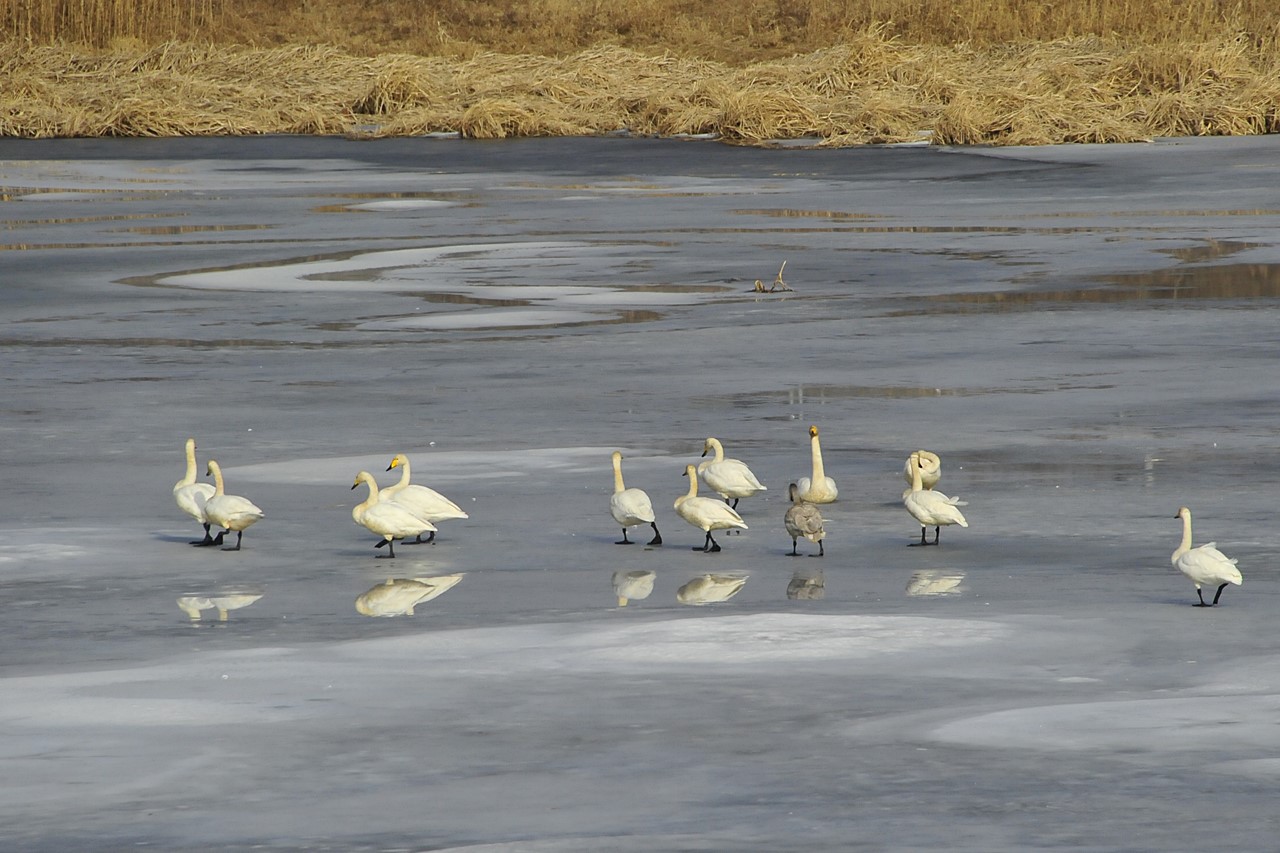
(206, 541)
(390, 547)
(923, 540)
(657, 537)
(937, 531)
(1219, 593)
(713, 547)
(217, 540)
(793, 552)
(624, 540)
(235, 547)
(1200, 595)
(822, 552)
(430, 540)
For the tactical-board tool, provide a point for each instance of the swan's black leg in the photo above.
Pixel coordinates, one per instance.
(922, 541)
(207, 540)
(793, 552)
(821, 550)
(735, 503)
(217, 540)
(625, 540)
(239, 536)
(420, 541)
(1219, 593)
(390, 548)
(657, 537)
(1201, 604)
(936, 532)
(715, 546)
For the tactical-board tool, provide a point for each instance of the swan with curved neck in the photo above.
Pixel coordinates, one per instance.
(424, 502)
(1205, 564)
(192, 496)
(230, 512)
(730, 478)
(386, 518)
(803, 519)
(818, 489)
(706, 514)
(930, 470)
(930, 507)
(630, 507)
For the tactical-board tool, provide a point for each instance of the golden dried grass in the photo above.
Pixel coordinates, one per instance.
(874, 86)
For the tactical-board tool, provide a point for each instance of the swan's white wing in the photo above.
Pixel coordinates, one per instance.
(631, 507)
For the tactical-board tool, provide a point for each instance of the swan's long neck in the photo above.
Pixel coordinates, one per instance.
(617, 474)
(191, 463)
(718, 449)
(1185, 546)
(368, 480)
(404, 472)
(217, 478)
(692, 473)
(917, 477)
(818, 471)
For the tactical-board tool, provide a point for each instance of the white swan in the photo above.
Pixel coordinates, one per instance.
(423, 502)
(630, 507)
(230, 512)
(706, 513)
(709, 589)
(931, 507)
(803, 519)
(399, 596)
(818, 489)
(1205, 564)
(629, 586)
(386, 518)
(191, 496)
(731, 478)
(930, 471)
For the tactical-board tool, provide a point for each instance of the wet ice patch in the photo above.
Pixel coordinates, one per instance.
(780, 637)
(514, 318)
(402, 204)
(434, 267)
(428, 467)
(1146, 725)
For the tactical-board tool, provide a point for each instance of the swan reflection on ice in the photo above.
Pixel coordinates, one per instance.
(936, 582)
(709, 589)
(223, 602)
(629, 586)
(398, 596)
(807, 585)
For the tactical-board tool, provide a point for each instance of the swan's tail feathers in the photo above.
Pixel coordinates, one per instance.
(957, 502)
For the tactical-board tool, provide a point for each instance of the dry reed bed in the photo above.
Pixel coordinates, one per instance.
(871, 89)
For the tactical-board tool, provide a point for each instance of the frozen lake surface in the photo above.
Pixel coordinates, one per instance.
(1087, 335)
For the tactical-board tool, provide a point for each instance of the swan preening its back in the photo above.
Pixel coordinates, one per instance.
(706, 514)
(803, 519)
(424, 502)
(930, 507)
(230, 512)
(818, 489)
(730, 478)
(192, 496)
(386, 518)
(630, 507)
(1205, 564)
(930, 470)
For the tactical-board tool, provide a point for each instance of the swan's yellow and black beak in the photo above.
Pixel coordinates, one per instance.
(356, 483)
